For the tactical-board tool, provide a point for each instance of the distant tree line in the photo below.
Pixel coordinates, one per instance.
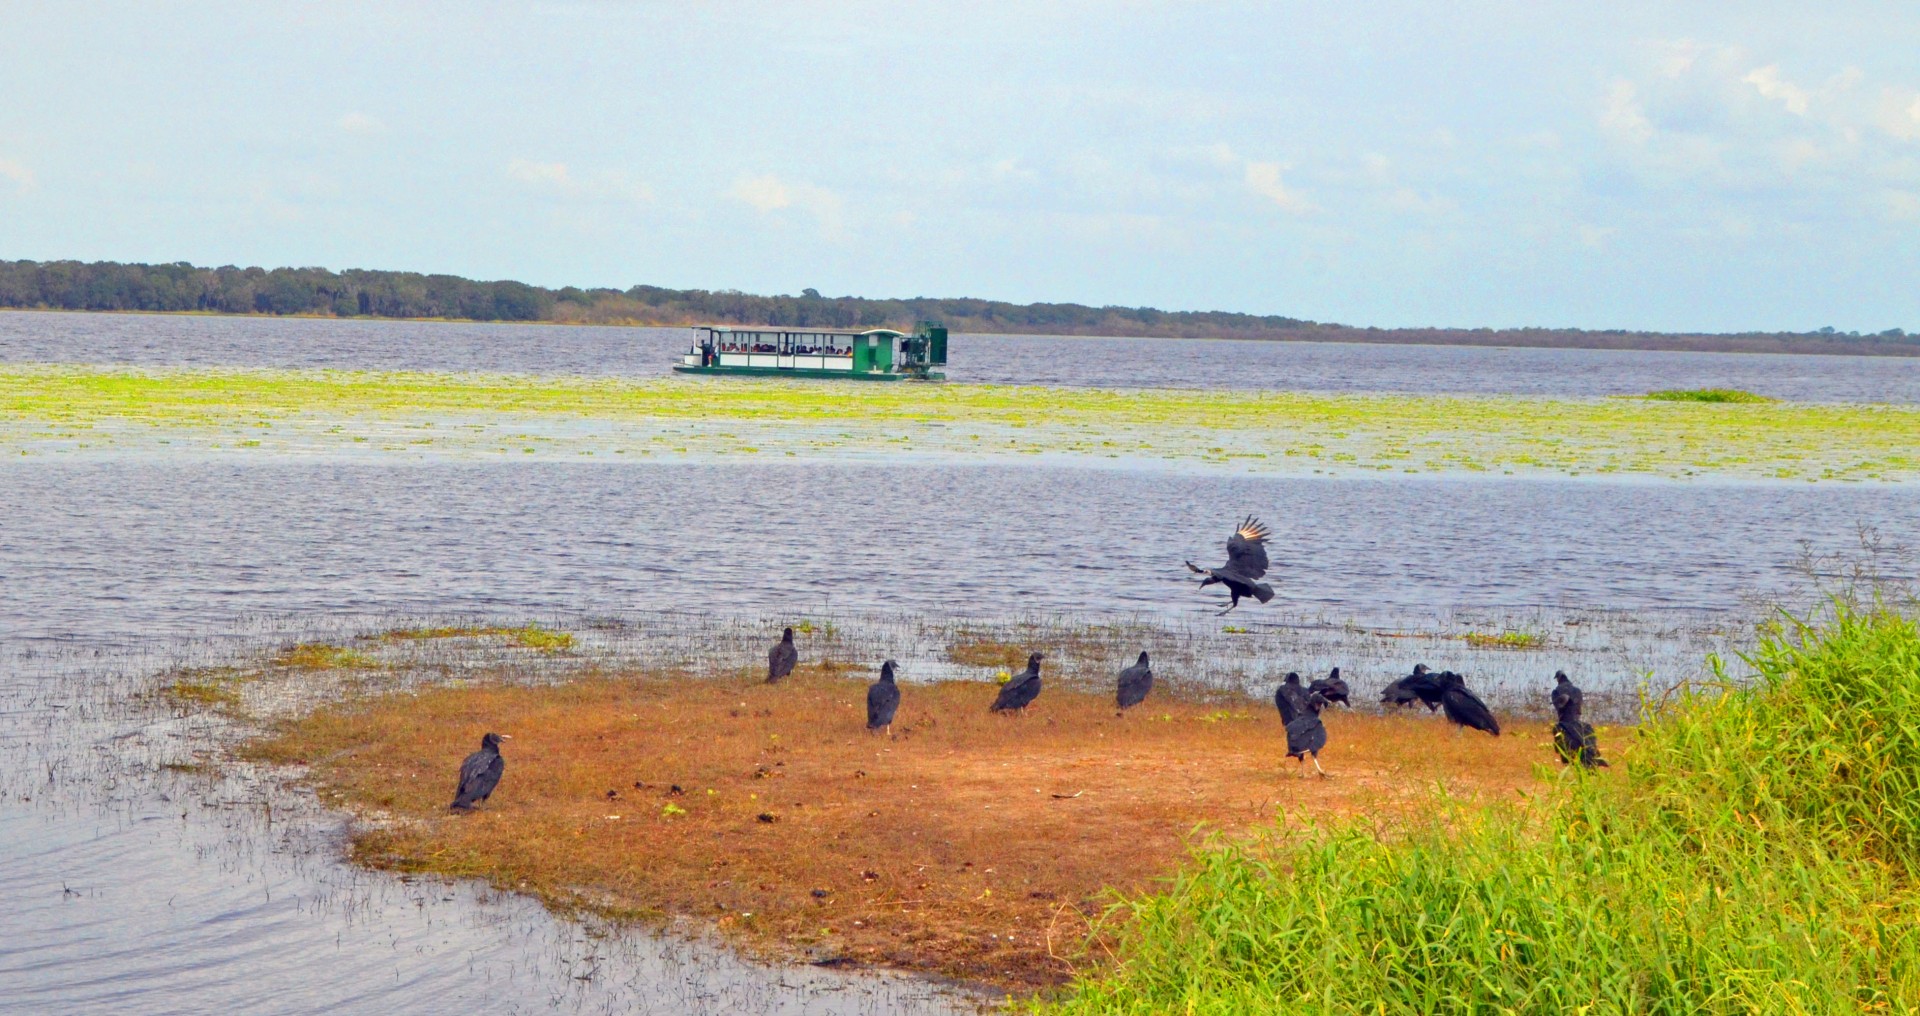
(112, 286)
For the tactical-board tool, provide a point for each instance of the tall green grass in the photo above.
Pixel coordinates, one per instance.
(1757, 855)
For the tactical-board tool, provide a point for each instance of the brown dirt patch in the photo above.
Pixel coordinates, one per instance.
(969, 845)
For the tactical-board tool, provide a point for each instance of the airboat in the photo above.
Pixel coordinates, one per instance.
(876, 354)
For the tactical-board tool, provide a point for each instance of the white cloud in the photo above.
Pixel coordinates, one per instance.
(360, 123)
(1899, 114)
(1679, 56)
(1009, 169)
(1592, 236)
(768, 194)
(606, 185)
(1263, 178)
(17, 172)
(1412, 202)
(1623, 118)
(1768, 82)
(1220, 154)
(552, 174)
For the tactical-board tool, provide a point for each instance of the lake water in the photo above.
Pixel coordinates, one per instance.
(156, 340)
(131, 888)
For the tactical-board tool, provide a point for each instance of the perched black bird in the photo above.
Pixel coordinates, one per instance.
(883, 697)
(1020, 690)
(1566, 696)
(1332, 688)
(1135, 682)
(1306, 735)
(1572, 736)
(480, 773)
(1246, 562)
(782, 657)
(1290, 698)
(1420, 686)
(1463, 707)
(1575, 742)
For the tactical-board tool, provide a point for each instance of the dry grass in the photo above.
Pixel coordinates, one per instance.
(968, 844)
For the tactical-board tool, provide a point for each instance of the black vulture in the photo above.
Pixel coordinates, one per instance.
(1566, 696)
(1332, 688)
(1572, 736)
(480, 773)
(1306, 735)
(1463, 707)
(883, 697)
(1246, 562)
(1290, 698)
(1574, 740)
(1135, 682)
(1020, 690)
(782, 657)
(1420, 686)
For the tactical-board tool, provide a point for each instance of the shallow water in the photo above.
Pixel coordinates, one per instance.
(132, 887)
(155, 340)
(125, 548)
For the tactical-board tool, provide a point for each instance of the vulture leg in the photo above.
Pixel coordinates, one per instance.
(1316, 766)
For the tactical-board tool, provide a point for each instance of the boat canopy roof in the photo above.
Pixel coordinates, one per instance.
(794, 330)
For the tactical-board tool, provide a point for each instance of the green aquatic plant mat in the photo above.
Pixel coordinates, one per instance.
(56, 410)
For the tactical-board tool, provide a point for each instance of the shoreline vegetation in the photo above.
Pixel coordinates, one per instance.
(388, 295)
(1759, 853)
(63, 410)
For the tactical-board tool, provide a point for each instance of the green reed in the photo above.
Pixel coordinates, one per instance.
(1756, 852)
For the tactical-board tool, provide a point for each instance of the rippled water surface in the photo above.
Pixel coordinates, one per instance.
(1125, 363)
(96, 550)
(127, 886)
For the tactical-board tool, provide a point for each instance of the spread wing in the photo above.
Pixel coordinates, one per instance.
(1247, 549)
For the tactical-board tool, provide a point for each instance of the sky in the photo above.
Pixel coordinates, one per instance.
(1718, 166)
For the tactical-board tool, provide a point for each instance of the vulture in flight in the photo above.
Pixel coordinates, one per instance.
(1246, 562)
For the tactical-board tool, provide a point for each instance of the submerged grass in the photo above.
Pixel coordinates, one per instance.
(1757, 855)
(48, 409)
(1505, 640)
(1708, 395)
(531, 636)
(321, 656)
